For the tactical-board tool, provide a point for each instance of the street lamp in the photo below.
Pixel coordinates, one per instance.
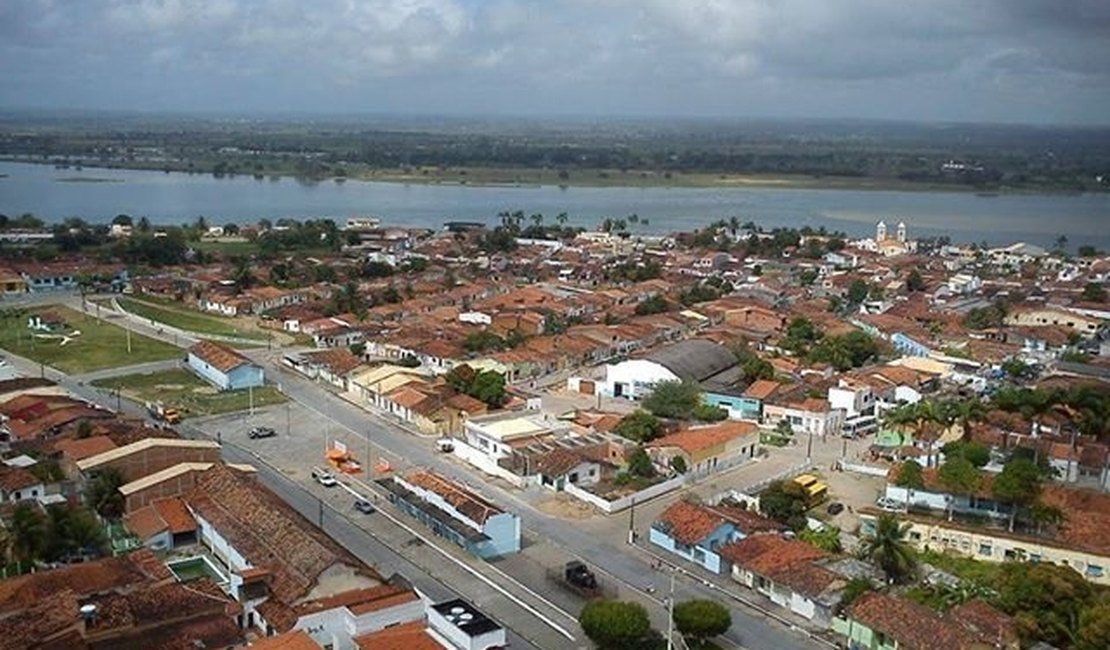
(670, 612)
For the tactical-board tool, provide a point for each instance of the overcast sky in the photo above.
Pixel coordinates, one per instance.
(1041, 61)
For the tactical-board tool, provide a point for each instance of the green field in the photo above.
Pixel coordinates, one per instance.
(185, 391)
(98, 344)
(190, 321)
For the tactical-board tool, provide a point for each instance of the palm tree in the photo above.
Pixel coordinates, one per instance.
(103, 494)
(887, 548)
(28, 531)
(899, 417)
(561, 218)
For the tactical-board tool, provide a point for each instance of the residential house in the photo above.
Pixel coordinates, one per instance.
(879, 621)
(164, 525)
(707, 449)
(455, 512)
(464, 627)
(496, 436)
(788, 572)
(19, 484)
(224, 367)
(333, 366)
(809, 415)
(1053, 317)
(698, 532)
(332, 332)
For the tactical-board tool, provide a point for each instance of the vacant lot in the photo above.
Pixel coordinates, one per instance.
(83, 344)
(187, 320)
(185, 391)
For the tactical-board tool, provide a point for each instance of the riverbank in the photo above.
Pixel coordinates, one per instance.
(548, 177)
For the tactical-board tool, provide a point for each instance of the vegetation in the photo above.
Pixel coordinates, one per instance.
(187, 319)
(485, 385)
(99, 345)
(826, 539)
(981, 318)
(656, 304)
(640, 426)
(640, 465)
(103, 493)
(914, 281)
(887, 548)
(192, 395)
(959, 477)
(843, 352)
(975, 453)
(681, 400)
(1094, 292)
(615, 624)
(62, 534)
(785, 502)
(701, 620)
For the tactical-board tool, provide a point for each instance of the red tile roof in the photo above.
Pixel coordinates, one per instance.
(465, 501)
(176, 515)
(145, 523)
(762, 389)
(13, 479)
(986, 622)
(139, 567)
(407, 636)
(218, 355)
(697, 439)
(80, 448)
(294, 640)
(913, 626)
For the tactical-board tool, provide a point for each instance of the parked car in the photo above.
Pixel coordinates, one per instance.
(888, 504)
(261, 432)
(364, 506)
(835, 508)
(324, 478)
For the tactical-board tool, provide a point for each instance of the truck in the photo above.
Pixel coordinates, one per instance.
(579, 578)
(160, 411)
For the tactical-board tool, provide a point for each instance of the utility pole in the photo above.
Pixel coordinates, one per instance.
(632, 521)
(670, 613)
(250, 398)
(809, 447)
(288, 423)
(128, 327)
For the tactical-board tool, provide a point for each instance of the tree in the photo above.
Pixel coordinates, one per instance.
(785, 502)
(1094, 292)
(489, 387)
(701, 620)
(103, 493)
(673, 399)
(914, 281)
(656, 304)
(678, 465)
(784, 429)
(960, 478)
(615, 624)
(1045, 600)
(1019, 484)
(1018, 369)
(243, 274)
(911, 478)
(144, 225)
(857, 292)
(888, 549)
(122, 220)
(1094, 628)
(84, 429)
(639, 464)
(826, 539)
(482, 341)
(978, 454)
(28, 532)
(640, 426)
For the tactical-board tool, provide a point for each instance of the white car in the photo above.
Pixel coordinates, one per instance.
(888, 504)
(324, 478)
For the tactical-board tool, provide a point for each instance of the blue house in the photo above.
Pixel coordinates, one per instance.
(223, 367)
(907, 345)
(697, 532)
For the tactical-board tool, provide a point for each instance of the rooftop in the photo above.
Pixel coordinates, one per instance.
(92, 462)
(218, 355)
(694, 360)
(696, 439)
(466, 617)
(461, 498)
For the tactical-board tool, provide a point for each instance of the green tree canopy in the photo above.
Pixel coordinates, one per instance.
(909, 476)
(1045, 599)
(975, 453)
(959, 477)
(615, 624)
(103, 493)
(888, 549)
(673, 399)
(914, 281)
(640, 426)
(826, 539)
(785, 502)
(858, 291)
(701, 620)
(1094, 292)
(640, 465)
(1019, 484)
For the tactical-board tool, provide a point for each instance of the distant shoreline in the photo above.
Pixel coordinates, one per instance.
(585, 178)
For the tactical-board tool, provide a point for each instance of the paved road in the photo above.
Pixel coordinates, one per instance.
(750, 629)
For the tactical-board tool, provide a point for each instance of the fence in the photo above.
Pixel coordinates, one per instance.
(617, 505)
(860, 468)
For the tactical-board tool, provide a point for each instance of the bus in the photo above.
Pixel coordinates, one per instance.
(815, 490)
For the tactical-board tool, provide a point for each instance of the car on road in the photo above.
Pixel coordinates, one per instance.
(324, 478)
(835, 508)
(261, 432)
(364, 506)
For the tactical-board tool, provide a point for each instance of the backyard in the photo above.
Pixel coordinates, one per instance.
(188, 320)
(79, 343)
(188, 393)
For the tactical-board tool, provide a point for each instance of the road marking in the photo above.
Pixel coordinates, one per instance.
(477, 574)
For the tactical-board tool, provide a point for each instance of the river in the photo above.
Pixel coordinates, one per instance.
(99, 194)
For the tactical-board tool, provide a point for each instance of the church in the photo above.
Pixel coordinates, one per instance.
(889, 246)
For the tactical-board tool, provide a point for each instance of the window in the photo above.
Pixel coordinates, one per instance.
(699, 555)
(1094, 571)
(915, 536)
(985, 549)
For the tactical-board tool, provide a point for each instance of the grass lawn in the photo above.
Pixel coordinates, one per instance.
(99, 345)
(183, 390)
(963, 567)
(187, 320)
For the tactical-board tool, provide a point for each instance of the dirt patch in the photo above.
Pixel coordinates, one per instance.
(565, 507)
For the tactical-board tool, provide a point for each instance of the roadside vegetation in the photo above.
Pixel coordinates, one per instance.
(188, 393)
(188, 320)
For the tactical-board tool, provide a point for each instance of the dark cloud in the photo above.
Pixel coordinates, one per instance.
(1023, 60)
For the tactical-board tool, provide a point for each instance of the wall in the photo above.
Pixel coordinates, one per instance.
(702, 554)
(503, 531)
(173, 487)
(483, 462)
(739, 408)
(246, 376)
(636, 378)
(338, 626)
(207, 372)
(609, 507)
(860, 468)
(158, 457)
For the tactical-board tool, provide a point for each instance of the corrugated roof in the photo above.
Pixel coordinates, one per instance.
(93, 462)
(694, 360)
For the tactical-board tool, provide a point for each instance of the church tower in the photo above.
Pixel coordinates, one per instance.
(880, 231)
(902, 231)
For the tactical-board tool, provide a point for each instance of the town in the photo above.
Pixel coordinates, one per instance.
(341, 434)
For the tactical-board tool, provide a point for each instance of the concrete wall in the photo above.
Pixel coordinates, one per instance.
(245, 376)
(173, 487)
(158, 457)
(503, 531)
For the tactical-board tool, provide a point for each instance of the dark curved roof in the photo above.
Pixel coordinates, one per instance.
(694, 360)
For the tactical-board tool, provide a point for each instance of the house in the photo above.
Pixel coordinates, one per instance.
(1052, 317)
(373, 384)
(694, 360)
(810, 415)
(787, 571)
(19, 484)
(332, 332)
(224, 367)
(130, 600)
(455, 512)
(333, 366)
(561, 466)
(496, 436)
(698, 532)
(150, 455)
(878, 621)
(163, 525)
(707, 449)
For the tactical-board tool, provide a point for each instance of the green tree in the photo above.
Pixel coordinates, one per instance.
(640, 465)
(28, 533)
(656, 304)
(826, 539)
(673, 399)
(960, 478)
(1045, 599)
(103, 493)
(1019, 484)
(483, 341)
(640, 426)
(888, 549)
(978, 454)
(489, 387)
(914, 281)
(784, 429)
(615, 624)
(857, 292)
(701, 620)
(1094, 628)
(785, 502)
(911, 478)
(1094, 292)
(678, 465)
